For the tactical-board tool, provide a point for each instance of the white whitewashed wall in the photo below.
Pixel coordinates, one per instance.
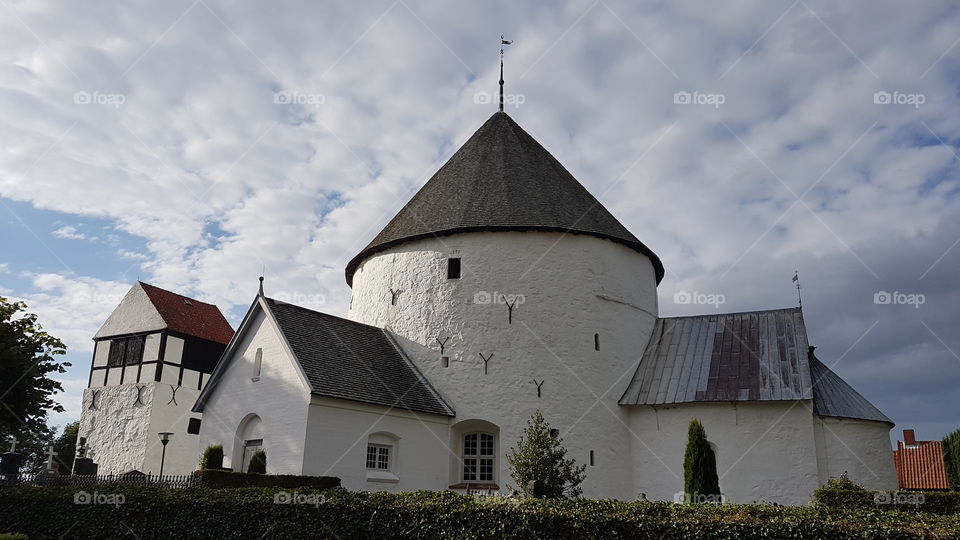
(573, 286)
(279, 397)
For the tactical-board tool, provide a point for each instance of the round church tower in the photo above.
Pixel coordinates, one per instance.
(513, 289)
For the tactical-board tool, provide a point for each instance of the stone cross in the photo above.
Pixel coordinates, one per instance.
(13, 444)
(50, 453)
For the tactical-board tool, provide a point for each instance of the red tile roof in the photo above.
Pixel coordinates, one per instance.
(189, 316)
(920, 466)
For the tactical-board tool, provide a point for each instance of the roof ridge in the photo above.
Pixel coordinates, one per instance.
(323, 313)
(700, 315)
(143, 283)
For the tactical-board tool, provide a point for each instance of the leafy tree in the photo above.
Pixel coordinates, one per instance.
(540, 457)
(212, 458)
(258, 462)
(66, 447)
(28, 355)
(951, 458)
(700, 481)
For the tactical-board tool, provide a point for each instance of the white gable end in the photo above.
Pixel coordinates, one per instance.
(277, 397)
(136, 313)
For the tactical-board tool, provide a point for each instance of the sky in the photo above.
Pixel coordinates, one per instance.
(196, 145)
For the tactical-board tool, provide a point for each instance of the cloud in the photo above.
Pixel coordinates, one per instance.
(69, 232)
(163, 120)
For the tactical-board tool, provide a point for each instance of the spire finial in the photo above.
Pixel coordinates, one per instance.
(502, 43)
(261, 286)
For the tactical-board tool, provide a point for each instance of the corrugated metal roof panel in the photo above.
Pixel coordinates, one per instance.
(752, 356)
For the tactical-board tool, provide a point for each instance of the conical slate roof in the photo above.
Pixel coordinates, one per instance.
(501, 179)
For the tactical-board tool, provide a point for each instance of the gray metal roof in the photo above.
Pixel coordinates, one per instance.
(350, 360)
(501, 179)
(832, 396)
(752, 356)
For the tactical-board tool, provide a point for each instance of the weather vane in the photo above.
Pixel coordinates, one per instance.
(502, 43)
(796, 279)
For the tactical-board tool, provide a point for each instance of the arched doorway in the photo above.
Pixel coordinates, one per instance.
(248, 440)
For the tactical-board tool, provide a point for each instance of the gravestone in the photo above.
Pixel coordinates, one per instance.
(10, 462)
(51, 467)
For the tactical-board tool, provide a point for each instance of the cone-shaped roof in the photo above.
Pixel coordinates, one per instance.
(502, 179)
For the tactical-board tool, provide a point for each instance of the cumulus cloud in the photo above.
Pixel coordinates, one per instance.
(236, 140)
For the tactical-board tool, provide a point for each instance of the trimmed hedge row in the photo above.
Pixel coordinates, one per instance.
(932, 502)
(212, 478)
(45, 512)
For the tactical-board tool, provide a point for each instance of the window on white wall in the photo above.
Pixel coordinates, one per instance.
(478, 457)
(378, 457)
(257, 362)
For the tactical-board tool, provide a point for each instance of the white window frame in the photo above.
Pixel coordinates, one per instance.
(380, 450)
(474, 459)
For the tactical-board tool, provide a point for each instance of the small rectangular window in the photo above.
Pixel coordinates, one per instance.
(257, 362)
(596, 342)
(445, 361)
(591, 458)
(134, 351)
(116, 352)
(378, 457)
(453, 268)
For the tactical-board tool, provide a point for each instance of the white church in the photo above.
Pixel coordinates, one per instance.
(502, 287)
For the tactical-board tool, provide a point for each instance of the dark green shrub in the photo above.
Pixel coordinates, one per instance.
(258, 462)
(928, 502)
(13, 536)
(152, 513)
(700, 481)
(212, 458)
(842, 483)
(951, 459)
(225, 479)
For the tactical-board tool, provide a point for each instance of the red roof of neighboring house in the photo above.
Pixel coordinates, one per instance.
(189, 316)
(920, 466)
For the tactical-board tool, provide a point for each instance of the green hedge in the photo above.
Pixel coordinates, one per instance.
(49, 512)
(932, 502)
(226, 479)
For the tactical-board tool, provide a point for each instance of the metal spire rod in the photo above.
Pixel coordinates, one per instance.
(796, 279)
(502, 43)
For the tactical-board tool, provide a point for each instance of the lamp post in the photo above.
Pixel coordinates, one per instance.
(164, 439)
